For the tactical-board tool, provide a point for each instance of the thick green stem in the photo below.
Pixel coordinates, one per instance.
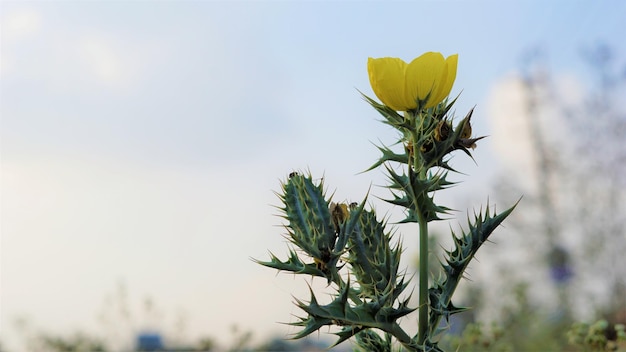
(423, 279)
(402, 337)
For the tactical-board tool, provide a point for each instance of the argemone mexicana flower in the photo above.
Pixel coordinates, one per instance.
(428, 79)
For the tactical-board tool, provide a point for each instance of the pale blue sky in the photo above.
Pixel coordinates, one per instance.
(141, 141)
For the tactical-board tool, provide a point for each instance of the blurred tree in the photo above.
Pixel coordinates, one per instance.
(599, 127)
(538, 93)
(574, 213)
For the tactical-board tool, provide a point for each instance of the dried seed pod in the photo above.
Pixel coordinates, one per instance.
(339, 213)
(442, 131)
(409, 149)
(466, 133)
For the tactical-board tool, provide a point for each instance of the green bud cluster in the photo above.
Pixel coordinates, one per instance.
(374, 261)
(310, 227)
(427, 136)
(334, 238)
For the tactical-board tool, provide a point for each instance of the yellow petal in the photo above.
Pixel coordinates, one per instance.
(446, 80)
(387, 78)
(423, 77)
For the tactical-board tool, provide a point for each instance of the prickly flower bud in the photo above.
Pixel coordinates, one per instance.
(465, 140)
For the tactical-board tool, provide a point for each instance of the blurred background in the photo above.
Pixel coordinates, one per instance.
(142, 143)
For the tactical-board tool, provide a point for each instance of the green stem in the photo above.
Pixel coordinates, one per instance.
(402, 336)
(423, 279)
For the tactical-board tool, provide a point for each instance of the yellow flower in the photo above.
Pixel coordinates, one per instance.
(428, 78)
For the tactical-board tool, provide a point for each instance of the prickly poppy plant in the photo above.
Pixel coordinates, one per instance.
(349, 247)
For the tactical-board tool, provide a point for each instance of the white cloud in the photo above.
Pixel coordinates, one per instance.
(20, 24)
(68, 60)
(102, 60)
(17, 25)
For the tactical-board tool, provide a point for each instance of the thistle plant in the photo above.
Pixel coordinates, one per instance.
(353, 250)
